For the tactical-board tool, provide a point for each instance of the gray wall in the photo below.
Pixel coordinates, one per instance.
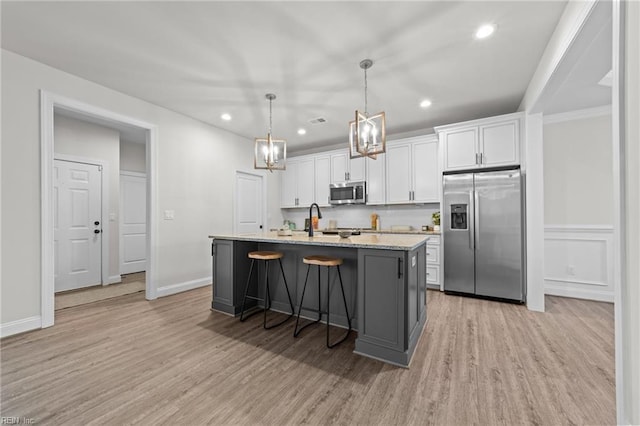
(132, 156)
(195, 173)
(578, 172)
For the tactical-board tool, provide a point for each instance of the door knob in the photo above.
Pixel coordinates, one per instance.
(96, 223)
(96, 231)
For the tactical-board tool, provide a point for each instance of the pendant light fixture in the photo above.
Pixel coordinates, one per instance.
(270, 154)
(367, 136)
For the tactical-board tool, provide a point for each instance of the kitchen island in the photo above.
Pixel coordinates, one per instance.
(384, 278)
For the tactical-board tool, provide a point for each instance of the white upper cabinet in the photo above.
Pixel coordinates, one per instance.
(460, 148)
(499, 144)
(297, 183)
(323, 179)
(345, 169)
(488, 142)
(357, 169)
(398, 158)
(412, 171)
(289, 184)
(376, 187)
(426, 176)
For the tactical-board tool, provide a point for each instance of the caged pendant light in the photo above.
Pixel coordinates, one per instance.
(270, 154)
(367, 136)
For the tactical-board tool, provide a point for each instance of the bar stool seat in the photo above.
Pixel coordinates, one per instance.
(328, 262)
(265, 256)
(322, 260)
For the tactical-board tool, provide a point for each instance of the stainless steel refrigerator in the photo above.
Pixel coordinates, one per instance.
(482, 228)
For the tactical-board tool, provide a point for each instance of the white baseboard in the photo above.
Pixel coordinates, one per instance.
(552, 288)
(579, 261)
(113, 279)
(180, 287)
(20, 326)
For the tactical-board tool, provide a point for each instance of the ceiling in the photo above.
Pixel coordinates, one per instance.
(203, 59)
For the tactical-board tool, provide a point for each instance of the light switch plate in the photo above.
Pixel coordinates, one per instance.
(112, 217)
(169, 214)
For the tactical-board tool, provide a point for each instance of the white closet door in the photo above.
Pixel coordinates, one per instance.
(133, 223)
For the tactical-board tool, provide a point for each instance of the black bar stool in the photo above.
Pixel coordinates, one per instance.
(328, 262)
(266, 256)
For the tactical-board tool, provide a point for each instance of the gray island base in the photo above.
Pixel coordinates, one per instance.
(384, 278)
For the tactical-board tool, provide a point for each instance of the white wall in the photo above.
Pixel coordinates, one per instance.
(578, 175)
(91, 141)
(196, 165)
(133, 157)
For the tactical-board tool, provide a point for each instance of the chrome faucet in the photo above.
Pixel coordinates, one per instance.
(311, 217)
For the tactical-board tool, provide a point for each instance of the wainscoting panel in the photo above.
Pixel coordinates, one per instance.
(579, 261)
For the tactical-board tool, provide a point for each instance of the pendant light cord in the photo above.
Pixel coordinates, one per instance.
(366, 113)
(270, 114)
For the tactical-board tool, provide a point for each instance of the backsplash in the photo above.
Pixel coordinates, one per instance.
(359, 216)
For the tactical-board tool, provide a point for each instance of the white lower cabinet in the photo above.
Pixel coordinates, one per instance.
(434, 262)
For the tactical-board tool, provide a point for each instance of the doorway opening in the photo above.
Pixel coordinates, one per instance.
(147, 134)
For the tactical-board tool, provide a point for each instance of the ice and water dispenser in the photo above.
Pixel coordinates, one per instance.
(459, 216)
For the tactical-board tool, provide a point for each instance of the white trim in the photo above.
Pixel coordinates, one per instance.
(580, 114)
(534, 212)
(551, 289)
(168, 290)
(48, 102)
(113, 279)
(579, 228)
(20, 326)
(104, 206)
(619, 228)
(478, 122)
(589, 249)
(133, 174)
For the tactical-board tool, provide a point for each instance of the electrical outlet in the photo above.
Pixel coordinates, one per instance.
(571, 270)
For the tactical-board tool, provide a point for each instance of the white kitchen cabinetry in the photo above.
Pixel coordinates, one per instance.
(434, 264)
(345, 169)
(323, 179)
(489, 142)
(376, 187)
(297, 183)
(412, 171)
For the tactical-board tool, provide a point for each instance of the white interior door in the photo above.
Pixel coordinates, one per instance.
(77, 225)
(249, 203)
(133, 222)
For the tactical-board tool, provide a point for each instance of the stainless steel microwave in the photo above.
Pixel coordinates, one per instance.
(347, 193)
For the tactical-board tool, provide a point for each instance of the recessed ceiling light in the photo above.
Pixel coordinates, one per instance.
(302, 131)
(425, 104)
(226, 117)
(485, 31)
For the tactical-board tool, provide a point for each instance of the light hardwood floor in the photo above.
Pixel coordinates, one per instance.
(172, 361)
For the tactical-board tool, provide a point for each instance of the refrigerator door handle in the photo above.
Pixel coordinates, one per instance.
(472, 226)
(476, 214)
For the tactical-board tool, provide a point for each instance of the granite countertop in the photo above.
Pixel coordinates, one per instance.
(391, 231)
(368, 240)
